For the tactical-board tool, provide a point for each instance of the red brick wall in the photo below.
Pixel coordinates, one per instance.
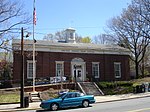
(109, 69)
(45, 62)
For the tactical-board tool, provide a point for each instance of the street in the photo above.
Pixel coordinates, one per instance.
(132, 105)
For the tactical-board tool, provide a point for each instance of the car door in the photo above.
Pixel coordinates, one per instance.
(79, 98)
(70, 100)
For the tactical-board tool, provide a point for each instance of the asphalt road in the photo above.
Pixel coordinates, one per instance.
(132, 105)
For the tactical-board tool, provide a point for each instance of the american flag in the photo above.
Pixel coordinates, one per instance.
(34, 16)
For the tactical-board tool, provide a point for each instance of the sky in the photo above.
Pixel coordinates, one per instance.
(88, 17)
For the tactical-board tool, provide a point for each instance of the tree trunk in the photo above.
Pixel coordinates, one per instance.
(143, 68)
(137, 69)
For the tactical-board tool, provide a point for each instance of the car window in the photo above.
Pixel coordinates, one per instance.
(71, 95)
(77, 95)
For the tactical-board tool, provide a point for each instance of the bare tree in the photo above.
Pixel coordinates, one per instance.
(133, 30)
(144, 65)
(11, 16)
(49, 37)
(78, 38)
(60, 36)
(104, 39)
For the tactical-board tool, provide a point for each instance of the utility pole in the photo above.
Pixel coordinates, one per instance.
(22, 72)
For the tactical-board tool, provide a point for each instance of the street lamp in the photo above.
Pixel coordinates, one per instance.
(75, 75)
(22, 70)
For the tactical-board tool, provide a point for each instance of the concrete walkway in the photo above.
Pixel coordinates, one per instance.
(99, 99)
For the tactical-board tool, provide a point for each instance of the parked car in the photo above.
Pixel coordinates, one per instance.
(69, 99)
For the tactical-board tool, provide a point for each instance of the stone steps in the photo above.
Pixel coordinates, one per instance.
(35, 97)
(90, 88)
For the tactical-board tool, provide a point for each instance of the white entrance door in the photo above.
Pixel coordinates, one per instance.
(79, 75)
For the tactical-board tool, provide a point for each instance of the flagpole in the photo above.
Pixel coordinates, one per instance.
(33, 48)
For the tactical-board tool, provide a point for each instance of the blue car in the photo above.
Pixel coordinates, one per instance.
(69, 99)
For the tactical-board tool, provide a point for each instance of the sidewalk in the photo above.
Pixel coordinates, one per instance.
(99, 99)
(111, 98)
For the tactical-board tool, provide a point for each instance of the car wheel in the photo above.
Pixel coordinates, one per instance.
(54, 106)
(85, 103)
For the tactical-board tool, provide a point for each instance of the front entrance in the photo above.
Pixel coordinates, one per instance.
(78, 74)
(78, 70)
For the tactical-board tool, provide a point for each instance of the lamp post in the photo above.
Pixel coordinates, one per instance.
(75, 75)
(61, 81)
(22, 72)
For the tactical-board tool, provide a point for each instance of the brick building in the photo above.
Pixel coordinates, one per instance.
(85, 61)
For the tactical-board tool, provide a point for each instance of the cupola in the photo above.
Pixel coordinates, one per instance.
(70, 35)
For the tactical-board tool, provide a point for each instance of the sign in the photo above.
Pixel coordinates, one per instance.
(57, 79)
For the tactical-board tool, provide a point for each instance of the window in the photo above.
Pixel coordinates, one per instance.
(95, 69)
(59, 68)
(71, 95)
(117, 69)
(78, 94)
(30, 69)
(71, 35)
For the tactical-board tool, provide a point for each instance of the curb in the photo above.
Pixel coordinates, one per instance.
(123, 99)
(9, 103)
(23, 109)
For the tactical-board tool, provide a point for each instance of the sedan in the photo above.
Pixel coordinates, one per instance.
(69, 99)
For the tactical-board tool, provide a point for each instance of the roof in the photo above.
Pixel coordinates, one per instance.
(42, 45)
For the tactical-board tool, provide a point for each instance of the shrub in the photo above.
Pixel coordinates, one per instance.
(117, 87)
(114, 84)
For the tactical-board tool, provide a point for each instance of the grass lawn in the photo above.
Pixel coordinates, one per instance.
(9, 98)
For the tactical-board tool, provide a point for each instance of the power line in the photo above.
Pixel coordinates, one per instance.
(39, 31)
(86, 27)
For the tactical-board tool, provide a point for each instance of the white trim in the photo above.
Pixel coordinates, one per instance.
(30, 61)
(98, 75)
(62, 63)
(95, 62)
(80, 62)
(77, 60)
(119, 71)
